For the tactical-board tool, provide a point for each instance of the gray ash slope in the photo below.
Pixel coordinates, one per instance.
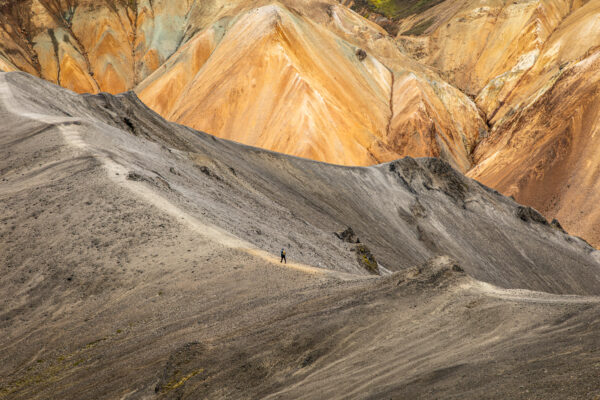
(138, 260)
(406, 211)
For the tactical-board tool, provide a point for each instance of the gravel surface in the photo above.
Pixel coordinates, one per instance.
(139, 259)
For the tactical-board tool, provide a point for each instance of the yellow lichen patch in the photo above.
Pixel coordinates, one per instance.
(174, 383)
(366, 259)
(42, 373)
(50, 370)
(94, 343)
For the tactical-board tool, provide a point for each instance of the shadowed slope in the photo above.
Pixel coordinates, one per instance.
(407, 211)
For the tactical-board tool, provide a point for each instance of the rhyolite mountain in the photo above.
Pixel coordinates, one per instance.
(532, 69)
(303, 78)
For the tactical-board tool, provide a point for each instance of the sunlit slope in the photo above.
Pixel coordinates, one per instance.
(543, 148)
(276, 79)
(283, 83)
(91, 46)
(309, 79)
(478, 43)
(532, 69)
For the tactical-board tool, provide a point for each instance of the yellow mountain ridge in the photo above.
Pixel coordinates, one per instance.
(316, 82)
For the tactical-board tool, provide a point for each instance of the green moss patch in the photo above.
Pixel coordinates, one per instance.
(397, 9)
(419, 28)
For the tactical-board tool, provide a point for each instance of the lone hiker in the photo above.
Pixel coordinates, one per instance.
(283, 256)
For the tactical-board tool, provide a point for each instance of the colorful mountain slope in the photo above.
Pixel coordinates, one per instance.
(310, 81)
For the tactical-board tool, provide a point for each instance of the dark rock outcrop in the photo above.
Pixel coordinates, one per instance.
(348, 236)
(361, 54)
(556, 225)
(529, 214)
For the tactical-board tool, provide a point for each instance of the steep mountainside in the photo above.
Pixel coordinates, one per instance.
(532, 67)
(138, 260)
(406, 211)
(312, 80)
(549, 128)
(479, 43)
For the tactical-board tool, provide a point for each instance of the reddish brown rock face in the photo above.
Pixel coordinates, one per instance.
(543, 148)
(506, 92)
